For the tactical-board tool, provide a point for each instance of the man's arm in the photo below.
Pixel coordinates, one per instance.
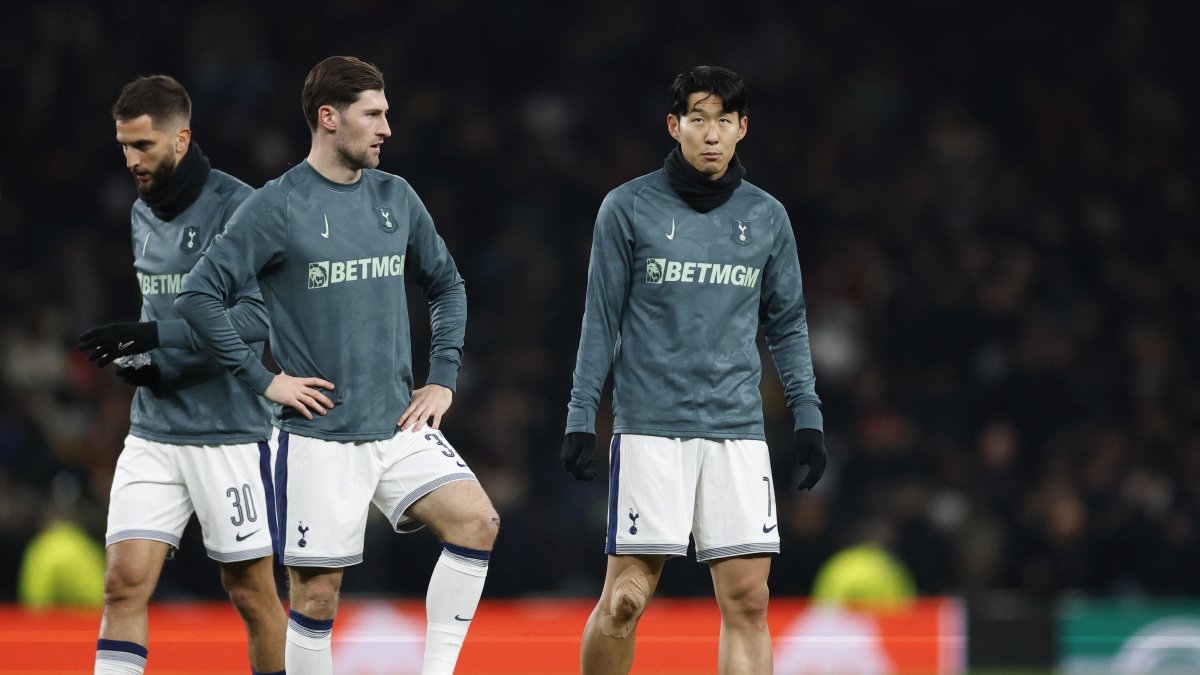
(786, 327)
(248, 316)
(607, 290)
(432, 267)
(232, 259)
(124, 338)
(253, 240)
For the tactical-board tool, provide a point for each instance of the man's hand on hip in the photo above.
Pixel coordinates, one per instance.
(301, 393)
(430, 401)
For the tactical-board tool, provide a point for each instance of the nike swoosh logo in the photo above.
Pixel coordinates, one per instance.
(122, 346)
(460, 464)
(672, 235)
(144, 243)
(244, 538)
(326, 232)
(767, 530)
(459, 618)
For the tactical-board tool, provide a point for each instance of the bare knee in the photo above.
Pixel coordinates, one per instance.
(477, 530)
(252, 592)
(127, 585)
(629, 597)
(746, 604)
(316, 596)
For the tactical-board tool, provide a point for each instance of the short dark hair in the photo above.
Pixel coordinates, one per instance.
(159, 96)
(714, 80)
(337, 81)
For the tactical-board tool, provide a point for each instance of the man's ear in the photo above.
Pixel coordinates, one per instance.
(183, 140)
(327, 118)
(673, 126)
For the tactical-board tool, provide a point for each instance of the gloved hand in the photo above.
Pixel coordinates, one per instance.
(111, 340)
(146, 376)
(811, 452)
(578, 453)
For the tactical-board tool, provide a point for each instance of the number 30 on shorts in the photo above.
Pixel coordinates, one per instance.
(243, 505)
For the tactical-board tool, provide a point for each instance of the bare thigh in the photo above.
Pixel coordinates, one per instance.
(457, 510)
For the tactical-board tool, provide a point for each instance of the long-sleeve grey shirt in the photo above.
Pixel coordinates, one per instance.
(331, 261)
(197, 401)
(673, 306)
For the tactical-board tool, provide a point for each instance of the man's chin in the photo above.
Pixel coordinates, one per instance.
(708, 168)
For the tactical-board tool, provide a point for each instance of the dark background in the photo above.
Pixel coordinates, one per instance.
(996, 211)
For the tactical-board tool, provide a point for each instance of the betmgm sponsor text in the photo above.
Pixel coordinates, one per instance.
(323, 273)
(661, 270)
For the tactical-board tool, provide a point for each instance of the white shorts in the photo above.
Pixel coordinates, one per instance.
(157, 486)
(324, 490)
(663, 489)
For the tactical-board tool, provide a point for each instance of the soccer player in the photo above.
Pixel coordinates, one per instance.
(331, 242)
(197, 437)
(685, 264)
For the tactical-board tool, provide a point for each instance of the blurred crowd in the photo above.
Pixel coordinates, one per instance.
(996, 211)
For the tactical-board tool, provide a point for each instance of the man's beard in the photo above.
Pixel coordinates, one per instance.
(356, 161)
(158, 179)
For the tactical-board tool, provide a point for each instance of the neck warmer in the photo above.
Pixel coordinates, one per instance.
(695, 188)
(183, 187)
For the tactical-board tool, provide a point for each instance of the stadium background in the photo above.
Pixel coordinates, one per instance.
(996, 210)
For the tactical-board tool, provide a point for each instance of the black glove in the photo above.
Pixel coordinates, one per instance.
(578, 453)
(811, 452)
(146, 376)
(111, 340)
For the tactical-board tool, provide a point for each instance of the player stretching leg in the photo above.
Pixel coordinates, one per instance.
(331, 241)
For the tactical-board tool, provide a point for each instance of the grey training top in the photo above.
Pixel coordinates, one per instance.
(331, 260)
(198, 401)
(673, 305)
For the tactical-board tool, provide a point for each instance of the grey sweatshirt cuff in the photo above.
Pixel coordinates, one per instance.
(176, 334)
(580, 419)
(808, 416)
(443, 372)
(255, 374)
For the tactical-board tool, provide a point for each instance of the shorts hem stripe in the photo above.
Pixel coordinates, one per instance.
(328, 562)
(734, 551)
(153, 535)
(421, 492)
(239, 556)
(650, 549)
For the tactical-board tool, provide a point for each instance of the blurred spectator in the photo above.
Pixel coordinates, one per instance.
(865, 574)
(63, 566)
